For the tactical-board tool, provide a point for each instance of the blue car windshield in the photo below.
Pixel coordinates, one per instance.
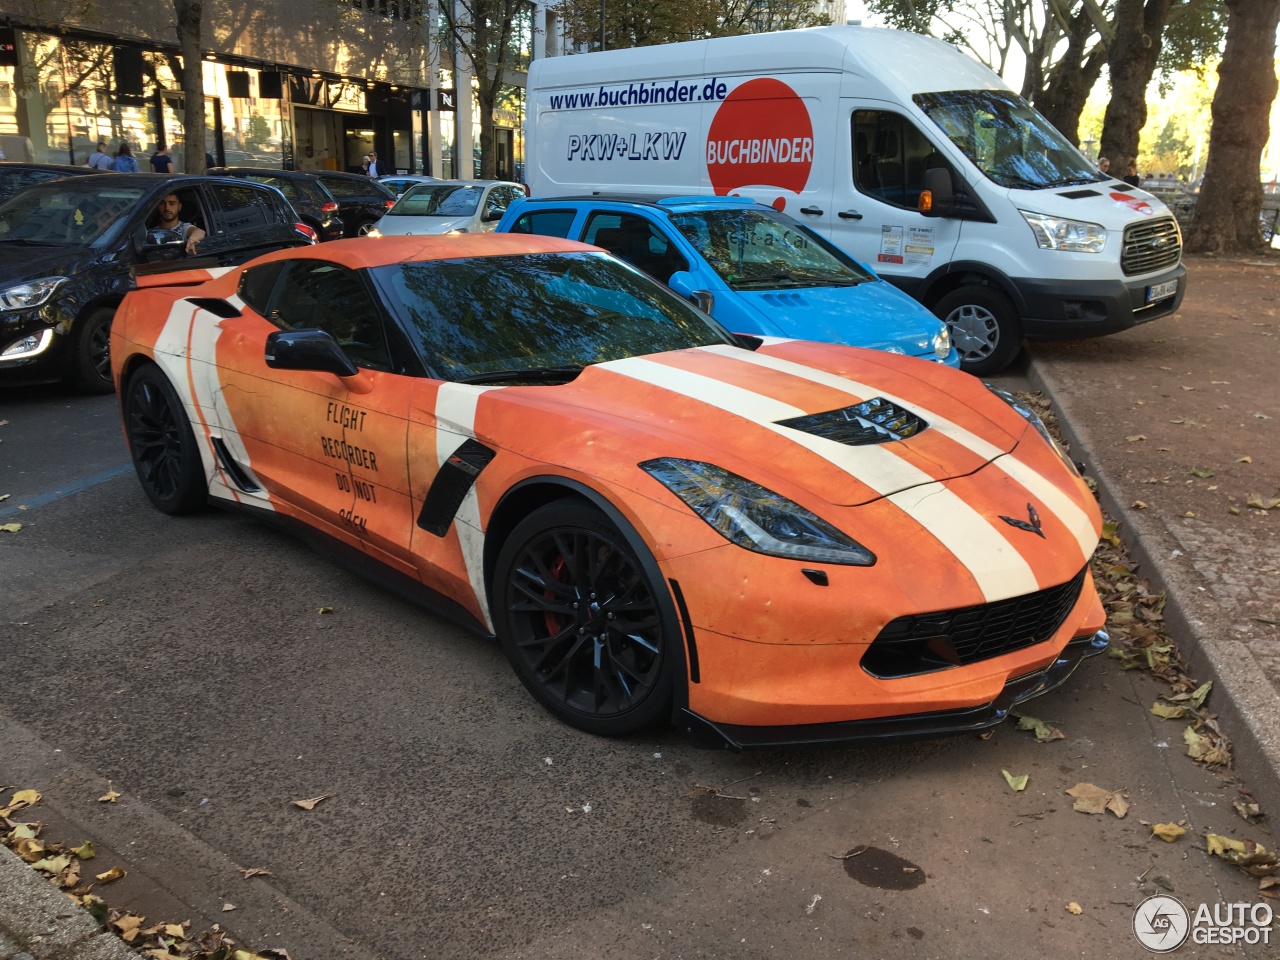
(472, 317)
(756, 248)
(1004, 137)
(431, 200)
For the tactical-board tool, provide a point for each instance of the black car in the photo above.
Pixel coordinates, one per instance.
(310, 197)
(361, 201)
(69, 250)
(16, 177)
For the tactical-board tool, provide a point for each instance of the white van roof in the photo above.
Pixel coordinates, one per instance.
(901, 63)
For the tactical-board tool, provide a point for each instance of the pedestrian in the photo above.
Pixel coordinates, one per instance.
(124, 161)
(99, 159)
(1131, 177)
(1104, 164)
(374, 169)
(161, 162)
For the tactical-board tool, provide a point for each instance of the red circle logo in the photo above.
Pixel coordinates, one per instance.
(760, 136)
(1137, 204)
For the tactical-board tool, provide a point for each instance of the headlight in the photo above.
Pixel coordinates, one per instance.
(1057, 233)
(1030, 416)
(754, 517)
(33, 293)
(942, 343)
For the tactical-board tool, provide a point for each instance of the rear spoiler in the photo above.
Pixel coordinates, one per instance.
(177, 273)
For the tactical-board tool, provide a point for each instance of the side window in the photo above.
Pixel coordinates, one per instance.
(503, 197)
(256, 285)
(192, 210)
(241, 208)
(890, 156)
(318, 295)
(638, 241)
(341, 187)
(545, 223)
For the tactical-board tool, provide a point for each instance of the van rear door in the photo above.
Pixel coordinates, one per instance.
(881, 157)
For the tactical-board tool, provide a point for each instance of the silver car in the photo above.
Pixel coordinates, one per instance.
(448, 206)
(400, 182)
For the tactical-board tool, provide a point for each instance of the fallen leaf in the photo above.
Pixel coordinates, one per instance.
(1200, 694)
(85, 851)
(1257, 501)
(128, 924)
(1075, 908)
(115, 873)
(1168, 832)
(326, 609)
(10, 527)
(1090, 798)
(111, 796)
(53, 864)
(1234, 511)
(228, 907)
(1044, 732)
(1244, 459)
(175, 930)
(248, 872)
(1188, 388)
(1190, 514)
(1204, 473)
(311, 804)
(1136, 437)
(1166, 712)
(23, 798)
(24, 831)
(1017, 784)
(1139, 505)
(1248, 811)
(4, 497)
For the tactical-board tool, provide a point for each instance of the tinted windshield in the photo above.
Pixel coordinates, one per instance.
(562, 310)
(428, 200)
(1007, 140)
(59, 215)
(764, 250)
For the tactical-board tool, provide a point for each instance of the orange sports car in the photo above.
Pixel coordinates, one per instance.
(768, 542)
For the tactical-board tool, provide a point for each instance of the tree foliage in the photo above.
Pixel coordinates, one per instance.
(642, 23)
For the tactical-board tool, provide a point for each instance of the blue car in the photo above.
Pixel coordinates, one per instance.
(752, 268)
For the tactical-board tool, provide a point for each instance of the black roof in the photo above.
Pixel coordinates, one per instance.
(63, 168)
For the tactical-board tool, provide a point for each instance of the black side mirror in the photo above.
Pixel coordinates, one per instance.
(159, 244)
(491, 216)
(938, 198)
(308, 350)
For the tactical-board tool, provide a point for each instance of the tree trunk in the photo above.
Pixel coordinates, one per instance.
(1071, 79)
(1131, 60)
(189, 15)
(1226, 217)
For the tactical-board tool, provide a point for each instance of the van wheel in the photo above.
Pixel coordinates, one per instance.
(984, 326)
(89, 361)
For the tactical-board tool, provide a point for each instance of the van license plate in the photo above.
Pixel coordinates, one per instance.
(1161, 291)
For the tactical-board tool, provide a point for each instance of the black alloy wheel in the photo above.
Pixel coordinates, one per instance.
(90, 356)
(162, 443)
(587, 632)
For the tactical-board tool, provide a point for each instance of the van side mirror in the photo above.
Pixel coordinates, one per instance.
(938, 198)
(308, 350)
(682, 282)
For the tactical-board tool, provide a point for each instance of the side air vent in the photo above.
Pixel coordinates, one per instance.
(872, 421)
(1079, 194)
(451, 484)
(239, 476)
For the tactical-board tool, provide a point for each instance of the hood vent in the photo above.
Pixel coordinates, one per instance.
(1079, 194)
(872, 421)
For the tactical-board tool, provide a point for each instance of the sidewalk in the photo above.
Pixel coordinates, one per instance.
(1179, 421)
(39, 922)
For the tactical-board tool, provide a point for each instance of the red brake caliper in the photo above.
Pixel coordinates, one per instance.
(555, 621)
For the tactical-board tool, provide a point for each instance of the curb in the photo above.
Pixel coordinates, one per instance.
(1244, 698)
(40, 922)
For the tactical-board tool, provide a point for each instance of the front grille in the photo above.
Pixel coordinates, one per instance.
(948, 638)
(872, 421)
(1151, 246)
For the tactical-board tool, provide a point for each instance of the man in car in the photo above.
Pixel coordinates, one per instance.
(168, 209)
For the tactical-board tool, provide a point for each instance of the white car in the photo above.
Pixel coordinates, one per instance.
(448, 206)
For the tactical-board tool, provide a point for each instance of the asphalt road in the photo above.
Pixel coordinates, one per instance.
(186, 662)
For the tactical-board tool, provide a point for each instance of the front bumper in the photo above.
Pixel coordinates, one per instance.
(44, 364)
(918, 726)
(1079, 309)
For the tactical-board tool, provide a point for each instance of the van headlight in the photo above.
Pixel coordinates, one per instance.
(754, 517)
(33, 293)
(942, 343)
(1058, 233)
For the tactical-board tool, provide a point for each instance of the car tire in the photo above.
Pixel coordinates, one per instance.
(162, 443)
(363, 229)
(985, 328)
(586, 629)
(89, 358)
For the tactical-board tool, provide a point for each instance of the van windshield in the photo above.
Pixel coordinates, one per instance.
(1007, 140)
(762, 250)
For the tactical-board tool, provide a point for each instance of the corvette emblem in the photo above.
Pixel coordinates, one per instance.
(1032, 527)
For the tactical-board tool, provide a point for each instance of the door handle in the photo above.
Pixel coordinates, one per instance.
(812, 211)
(849, 215)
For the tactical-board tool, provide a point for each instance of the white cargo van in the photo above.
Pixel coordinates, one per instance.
(840, 127)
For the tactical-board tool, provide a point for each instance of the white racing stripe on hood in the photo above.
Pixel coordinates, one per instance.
(998, 568)
(456, 405)
(1061, 504)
